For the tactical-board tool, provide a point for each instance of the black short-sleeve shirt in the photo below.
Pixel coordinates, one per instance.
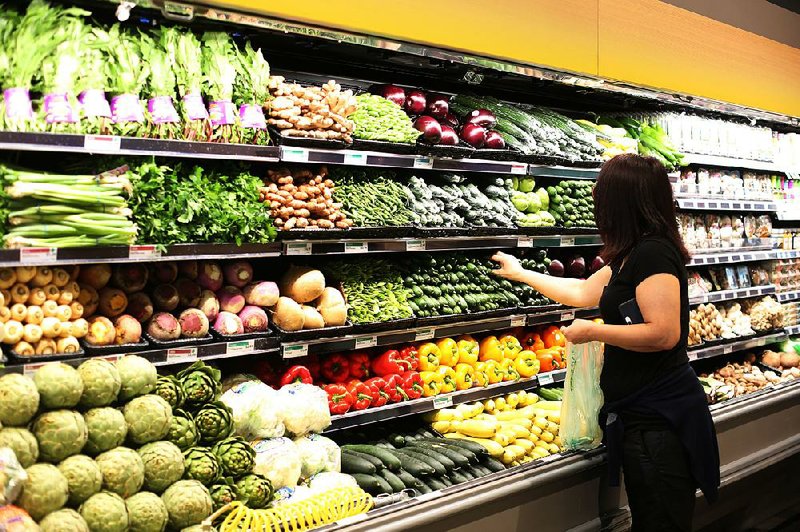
(624, 371)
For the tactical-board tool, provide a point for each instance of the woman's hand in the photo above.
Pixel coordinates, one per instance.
(510, 268)
(580, 332)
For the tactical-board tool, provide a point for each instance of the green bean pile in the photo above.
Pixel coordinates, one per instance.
(374, 290)
(371, 197)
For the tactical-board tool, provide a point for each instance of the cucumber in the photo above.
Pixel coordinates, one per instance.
(435, 484)
(409, 480)
(458, 459)
(369, 458)
(493, 465)
(372, 484)
(352, 464)
(466, 453)
(457, 477)
(446, 481)
(388, 459)
(398, 440)
(475, 448)
(422, 489)
(467, 473)
(483, 471)
(448, 464)
(413, 465)
(425, 433)
(393, 481)
(438, 468)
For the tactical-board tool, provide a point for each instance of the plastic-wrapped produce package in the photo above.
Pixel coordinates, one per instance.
(278, 460)
(256, 410)
(318, 454)
(305, 409)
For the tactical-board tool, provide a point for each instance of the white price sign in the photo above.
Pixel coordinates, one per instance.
(242, 347)
(425, 163)
(101, 143)
(415, 245)
(143, 252)
(365, 342)
(518, 321)
(424, 334)
(567, 241)
(355, 158)
(519, 168)
(294, 351)
(298, 248)
(524, 242)
(294, 155)
(442, 402)
(727, 350)
(356, 247)
(182, 354)
(568, 316)
(545, 378)
(38, 255)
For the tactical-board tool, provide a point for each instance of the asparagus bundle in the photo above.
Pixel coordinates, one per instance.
(51, 210)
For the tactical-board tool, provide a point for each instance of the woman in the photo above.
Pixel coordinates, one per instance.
(658, 421)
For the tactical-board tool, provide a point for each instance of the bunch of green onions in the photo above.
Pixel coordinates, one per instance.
(51, 210)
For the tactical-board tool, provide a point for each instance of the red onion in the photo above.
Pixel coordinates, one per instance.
(450, 119)
(438, 106)
(395, 94)
(449, 136)
(482, 117)
(431, 129)
(494, 141)
(415, 102)
(474, 135)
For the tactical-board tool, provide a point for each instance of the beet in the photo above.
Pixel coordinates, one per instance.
(164, 272)
(130, 277)
(194, 324)
(262, 294)
(128, 330)
(164, 327)
(210, 276)
(140, 306)
(238, 273)
(231, 299)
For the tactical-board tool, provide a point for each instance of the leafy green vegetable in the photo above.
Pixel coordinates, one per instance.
(219, 70)
(128, 73)
(252, 88)
(160, 56)
(189, 76)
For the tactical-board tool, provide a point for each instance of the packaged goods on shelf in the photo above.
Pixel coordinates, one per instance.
(724, 183)
(788, 151)
(712, 232)
(735, 379)
(785, 274)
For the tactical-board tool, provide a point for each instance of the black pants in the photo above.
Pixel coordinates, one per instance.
(659, 484)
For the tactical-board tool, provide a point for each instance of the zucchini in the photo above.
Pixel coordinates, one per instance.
(448, 464)
(457, 458)
(492, 465)
(352, 464)
(388, 459)
(393, 481)
(369, 458)
(413, 465)
(409, 480)
(435, 484)
(372, 484)
(438, 468)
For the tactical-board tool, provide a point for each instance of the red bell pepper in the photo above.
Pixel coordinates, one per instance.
(410, 355)
(394, 387)
(296, 374)
(412, 384)
(339, 399)
(336, 368)
(314, 367)
(361, 393)
(389, 363)
(265, 372)
(359, 365)
(380, 390)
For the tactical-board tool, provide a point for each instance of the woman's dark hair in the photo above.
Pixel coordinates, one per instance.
(632, 200)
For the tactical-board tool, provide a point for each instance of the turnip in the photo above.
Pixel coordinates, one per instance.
(254, 319)
(210, 276)
(262, 294)
(288, 315)
(94, 275)
(140, 306)
(165, 272)
(228, 324)
(128, 330)
(188, 292)
(238, 273)
(332, 307)
(302, 284)
(165, 297)
(231, 299)
(194, 324)
(209, 304)
(164, 327)
(113, 302)
(312, 319)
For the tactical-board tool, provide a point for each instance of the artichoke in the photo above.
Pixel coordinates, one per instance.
(105, 512)
(107, 429)
(214, 422)
(254, 490)
(45, 491)
(170, 389)
(202, 465)
(188, 503)
(236, 456)
(148, 417)
(83, 477)
(201, 383)
(222, 494)
(22, 442)
(123, 471)
(137, 375)
(19, 400)
(101, 383)
(146, 512)
(60, 433)
(59, 385)
(163, 465)
(64, 520)
(182, 431)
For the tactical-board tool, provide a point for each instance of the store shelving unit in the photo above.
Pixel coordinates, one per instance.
(734, 346)
(727, 295)
(707, 204)
(730, 257)
(785, 297)
(729, 162)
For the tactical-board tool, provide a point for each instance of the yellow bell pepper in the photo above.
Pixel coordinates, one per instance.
(468, 350)
(448, 352)
(494, 372)
(509, 372)
(481, 377)
(428, 357)
(431, 383)
(448, 379)
(490, 349)
(526, 364)
(510, 345)
(465, 376)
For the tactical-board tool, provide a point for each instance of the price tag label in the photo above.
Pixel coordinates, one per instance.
(294, 155)
(712, 204)
(101, 143)
(356, 247)
(545, 378)
(735, 258)
(727, 350)
(294, 351)
(711, 260)
(38, 255)
(700, 205)
(442, 402)
(298, 248)
(567, 240)
(143, 252)
(724, 205)
(241, 347)
(747, 257)
(30, 369)
(415, 245)
(424, 334)
(524, 242)
(112, 358)
(568, 316)
(519, 168)
(182, 354)
(692, 357)
(355, 158)
(365, 342)
(518, 321)
(425, 163)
